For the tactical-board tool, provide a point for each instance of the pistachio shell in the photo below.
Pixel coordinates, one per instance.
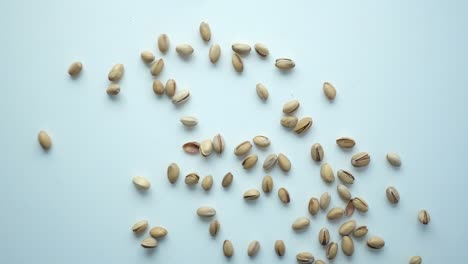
(349, 210)
(284, 163)
(424, 217)
(241, 48)
(343, 192)
(335, 213)
(415, 260)
(303, 125)
(205, 31)
(301, 224)
(284, 64)
(324, 237)
(270, 161)
(289, 121)
(261, 141)
(267, 184)
(191, 147)
(116, 73)
(243, 148)
(360, 231)
(253, 248)
(331, 250)
(316, 152)
(347, 227)
(228, 249)
(314, 206)
(261, 49)
(113, 89)
(227, 180)
(206, 147)
(207, 182)
(192, 178)
(158, 87)
(180, 97)
(149, 242)
(189, 121)
(280, 248)
(325, 200)
(251, 194)
(394, 159)
(345, 176)
(290, 106)
(44, 140)
(345, 142)
(329, 90)
(140, 226)
(184, 50)
(262, 91)
(305, 257)
(326, 172)
(237, 62)
(250, 161)
(173, 171)
(283, 195)
(163, 43)
(215, 53)
(347, 245)
(218, 143)
(141, 182)
(392, 195)
(360, 204)
(158, 232)
(171, 87)
(375, 242)
(214, 227)
(75, 68)
(206, 211)
(147, 56)
(360, 159)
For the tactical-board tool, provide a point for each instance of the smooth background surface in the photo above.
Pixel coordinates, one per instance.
(400, 71)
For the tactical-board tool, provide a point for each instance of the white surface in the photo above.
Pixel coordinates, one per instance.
(400, 72)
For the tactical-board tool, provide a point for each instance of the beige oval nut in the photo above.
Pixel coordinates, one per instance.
(206, 211)
(157, 67)
(283, 195)
(227, 180)
(424, 217)
(290, 106)
(207, 182)
(228, 249)
(325, 200)
(375, 242)
(318, 261)
(345, 142)
(173, 172)
(205, 31)
(250, 161)
(347, 227)
(214, 227)
(149, 242)
(343, 192)
(243, 148)
(267, 184)
(360, 231)
(192, 178)
(218, 143)
(347, 245)
(394, 159)
(360, 159)
(392, 195)
(180, 97)
(360, 204)
(345, 176)
(184, 50)
(329, 90)
(262, 91)
(44, 140)
(206, 147)
(141, 182)
(237, 63)
(314, 206)
(261, 141)
(163, 43)
(158, 232)
(270, 161)
(303, 125)
(214, 53)
(305, 257)
(113, 89)
(189, 121)
(158, 87)
(147, 56)
(261, 49)
(331, 250)
(326, 172)
(316, 152)
(335, 213)
(415, 260)
(284, 163)
(253, 248)
(116, 73)
(289, 121)
(251, 194)
(241, 48)
(300, 224)
(324, 237)
(75, 68)
(280, 248)
(191, 147)
(140, 226)
(284, 64)
(171, 87)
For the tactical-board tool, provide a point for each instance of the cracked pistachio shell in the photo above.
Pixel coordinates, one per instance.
(289, 121)
(141, 182)
(173, 171)
(75, 68)
(345, 142)
(44, 140)
(319, 262)
(189, 121)
(214, 227)
(314, 206)
(349, 209)
(360, 159)
(241, 48)
(360, 231)
(267, 184)
(147, 56)
(227, 180)
(243, 148)
(343, 192)
(253, 248)
(261, 141)
(116, 73)
(215, 53)
(329, 90)
(206, 147)
(192, 178)
(335, 213)
(270, 161)
(250, 161)
(149, 242)
(316, 152)
(180, 97)
(191, 147)
(283, 195)
(262, 91)
(158, 87)
(206, 211)
(228, 249)
(280, 248)
(171, 87)
(237, 63)
(303, 125)
(347, 227)
(284, 64)
(326, 172)
(375, 242)
(158, 232)
(261, 49)
(331, 250)
(394, 159)
(284, 163)
(205, 31)
(325, 200)
(163, 43)
(324, 237)
(392, 195)
(184, 50)
(360, 204)
(424, 217)
(140, 226)
(300, 223)
(305, 257)
(345, 176)
(347, 245)
(207, 182)
(290, 106)
(218, 143)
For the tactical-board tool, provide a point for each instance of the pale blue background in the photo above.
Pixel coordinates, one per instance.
(400, 70)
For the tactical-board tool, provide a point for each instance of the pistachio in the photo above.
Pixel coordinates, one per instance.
(207, 182)
(305, 257)
(171, 87)
(158, 87)
(116, 73)
(280, 248)
(113, 89)
(325, 200)
(261, 49)
(290, 106)
(251, 194)
(347, 245)
(394, 159)
(345, 176)
(192, 178)
(237, 62)
(184, 50)
(141, 182)
(331, 250)
(191, 147)
(270, 161)
(140, 226)
(206, 211)
(241, 48)
(243, 148)
(218, 143)
(329, 90)
(267, 184)
(324, 237)
(284, 64)
(149, 242)
(316, 151)
(214, 227)
(283, 195)
(158, 232)
(147, 56)
(347, 227)
(360, 204)
(262, 91)
(424, 217)
(335, 213)
(44, 140)
(349, 210)
(205, 31)
(75, 68)
(392, 195)
(415, 260)
(303, 125)
(375, 242)
(360, 231)
(345, 142)
(319, 262)
(314, 206)
(180, 97)
(326, 172)
(163, 43)
(215, 53)
(228, 249)
(360, 159)
(344, 192)
(284, 163)
(301, 223)
(250, 161)
(206, 147)
(289, 121)
(253, 248)
(227, 180)
(261, 141)
(173, 172)
(189, 121)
